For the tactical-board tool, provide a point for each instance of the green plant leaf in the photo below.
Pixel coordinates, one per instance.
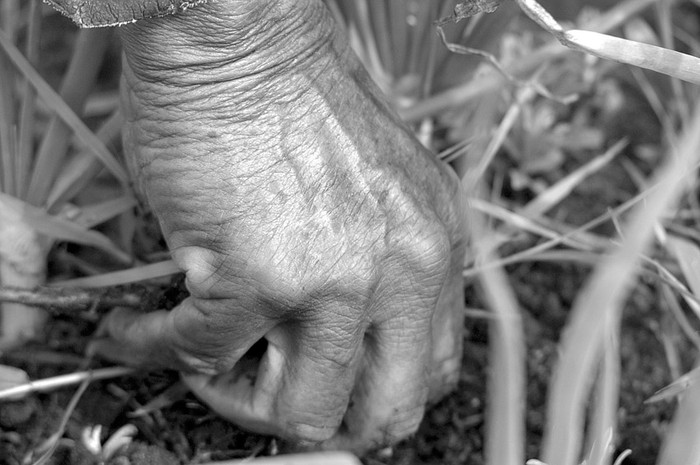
(76, 85)
(25, 144)
(7, 124)
(92, 215)
(56, 103)
(61, 229)
(118, 278)
(461, 94)
(562, 188)
(598, 306)
(681, 444)
(688, 256)
(662, 60)
(83, 168)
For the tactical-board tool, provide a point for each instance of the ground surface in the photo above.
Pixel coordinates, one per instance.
(183, 431)
(451, 434)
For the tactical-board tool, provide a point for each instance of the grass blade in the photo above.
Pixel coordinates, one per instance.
(118, 278)
(506, 430)
(688, 256)
(504, 128)
(379, 25)
(598, 307)
(398, 34)
(605, 408)
(25, 143)
(663, 9)
(562, 188)
(61, 229)
(576, 240)
(93, 215)
(676, 388)
(58, 382)
(461, 94)
(681, 446)
(82, 169)
(662, 60)
(7, 125)
(76, 85)
(56, 103)
(505, 439)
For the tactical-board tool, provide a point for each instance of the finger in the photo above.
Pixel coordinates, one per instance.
(448, 319)
(389, 399)
(318, 378)
(131, 337)
(448, 333)
(189, 338)
(232, 395)
(302, 387)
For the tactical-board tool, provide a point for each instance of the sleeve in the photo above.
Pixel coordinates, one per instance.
(98, 13)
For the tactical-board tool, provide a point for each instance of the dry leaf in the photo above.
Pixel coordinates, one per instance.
(469, 8)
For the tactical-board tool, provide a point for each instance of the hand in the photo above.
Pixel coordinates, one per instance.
(303, 213)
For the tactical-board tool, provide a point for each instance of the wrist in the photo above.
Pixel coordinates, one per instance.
(226, 40)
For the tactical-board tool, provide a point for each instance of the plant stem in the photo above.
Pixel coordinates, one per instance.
(57, 382)
(67, 300)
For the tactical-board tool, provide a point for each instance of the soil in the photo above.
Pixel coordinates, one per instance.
(185, 431)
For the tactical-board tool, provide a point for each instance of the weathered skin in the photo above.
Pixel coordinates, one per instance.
(302, 212)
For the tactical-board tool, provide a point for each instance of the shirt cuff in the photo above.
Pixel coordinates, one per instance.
(99, 13)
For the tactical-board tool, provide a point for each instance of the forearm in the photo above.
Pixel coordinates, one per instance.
(223, 70)
(253, 81)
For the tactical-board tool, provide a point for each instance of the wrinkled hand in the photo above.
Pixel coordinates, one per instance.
(303, 214)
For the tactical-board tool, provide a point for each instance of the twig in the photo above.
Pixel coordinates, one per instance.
(61, 300)
(539, 88)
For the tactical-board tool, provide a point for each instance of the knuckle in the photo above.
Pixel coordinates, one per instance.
(431, 240)
(304, 283)
(199, 265)
(212, 274)
(284, 287)
(426, 246)
(198, 340)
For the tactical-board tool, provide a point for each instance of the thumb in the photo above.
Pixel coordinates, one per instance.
(186, 338)
(134, 338)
